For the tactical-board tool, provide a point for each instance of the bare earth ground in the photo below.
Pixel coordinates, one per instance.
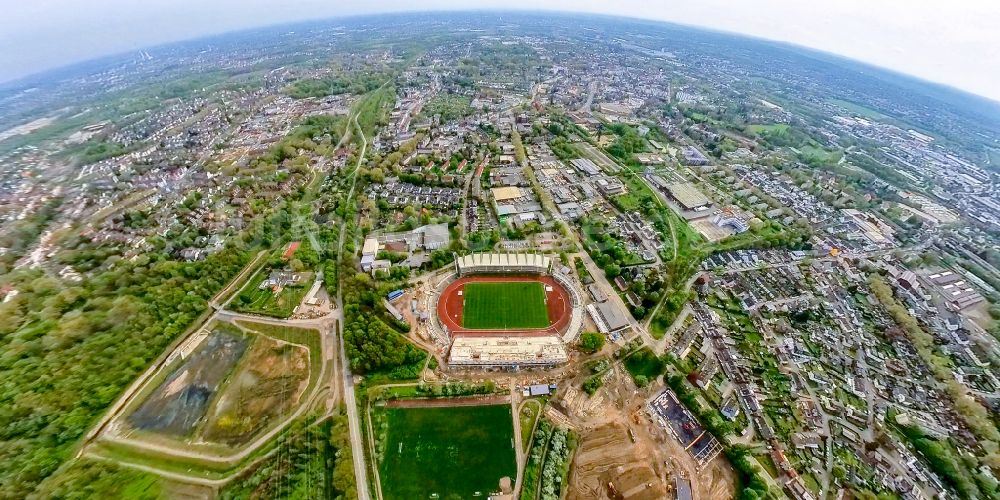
(270, 383)
(182, 491)
(609, 465)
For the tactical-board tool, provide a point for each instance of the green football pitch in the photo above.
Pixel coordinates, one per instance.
(504, 305)
(450, 452)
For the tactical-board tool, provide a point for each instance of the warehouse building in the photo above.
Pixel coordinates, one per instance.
(955, 289)
(585, 166)
(688, 196)
(607, 317)
(502, 194)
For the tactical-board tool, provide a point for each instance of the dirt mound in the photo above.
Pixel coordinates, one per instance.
(180, 402)
(607, 465)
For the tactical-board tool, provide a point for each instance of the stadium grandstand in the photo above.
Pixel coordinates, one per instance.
(507, 352)
(502, 263)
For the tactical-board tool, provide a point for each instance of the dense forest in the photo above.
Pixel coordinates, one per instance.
(67, 351)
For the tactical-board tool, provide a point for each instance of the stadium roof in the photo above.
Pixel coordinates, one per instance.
(503, 260)
(688, 195)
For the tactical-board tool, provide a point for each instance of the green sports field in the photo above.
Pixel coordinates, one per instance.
(451, 452)
(505, 305)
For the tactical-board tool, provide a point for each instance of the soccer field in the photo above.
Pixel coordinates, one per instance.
(450, 452)
(505, 305)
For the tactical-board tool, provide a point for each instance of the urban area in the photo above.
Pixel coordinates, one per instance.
(483, 256)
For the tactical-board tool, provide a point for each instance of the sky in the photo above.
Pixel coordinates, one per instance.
(955, 42)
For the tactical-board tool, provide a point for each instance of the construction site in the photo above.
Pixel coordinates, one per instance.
(624, 452)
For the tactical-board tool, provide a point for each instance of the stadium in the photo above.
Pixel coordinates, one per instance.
(507, 311)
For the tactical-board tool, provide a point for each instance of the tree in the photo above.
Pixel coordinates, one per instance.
(612, 270)
(839, 472)
(591, 342)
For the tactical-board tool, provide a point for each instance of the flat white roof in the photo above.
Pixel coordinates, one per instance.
(370, 247)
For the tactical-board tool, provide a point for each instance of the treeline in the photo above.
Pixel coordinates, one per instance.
(101, 479)
(548, 462)
(561, 447)
(18, 236)
(372, 345)
(751, 484)
(947, 466)
(96, 151)
(454, 389)
(67, 351)
(626, 144)
(533, 467)
(345, 83)
(973, 413)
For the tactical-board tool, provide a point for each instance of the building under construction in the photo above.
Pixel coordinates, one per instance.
(507, 352)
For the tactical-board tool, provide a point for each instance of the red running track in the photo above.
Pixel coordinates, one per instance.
(451, 304)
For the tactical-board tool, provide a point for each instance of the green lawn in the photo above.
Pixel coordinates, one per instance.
(644, 362)
(251, 299)
(452, 452)
(779, 128)
(859, 109)
(819, 153)
(512, 304)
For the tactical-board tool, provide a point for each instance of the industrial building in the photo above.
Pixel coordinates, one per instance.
(955, 289)
(429, 237)
(502, 194)
(585, 166)
(735, 221)
(608, 318)
(688, 196)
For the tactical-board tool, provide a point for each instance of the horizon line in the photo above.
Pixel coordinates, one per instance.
(787, 45)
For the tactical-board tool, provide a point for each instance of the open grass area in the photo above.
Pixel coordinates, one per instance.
(530, 410)
(644, 363)
(817, 153)
(777, 128)
(255, 300)
(515, 304)
(859, 109)
(449, 452)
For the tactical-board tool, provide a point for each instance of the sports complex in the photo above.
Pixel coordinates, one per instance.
(507, 311)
